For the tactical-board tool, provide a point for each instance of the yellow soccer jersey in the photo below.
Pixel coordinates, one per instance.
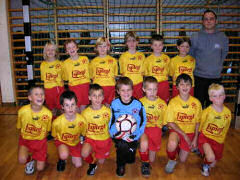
(131, 65)
(215, 125)
(76, 71)
(180, 65)
(97, 122)
(157, 66)
(103, 70)
(155, 111)
(184, 113)
(68, 132)
(34, 125)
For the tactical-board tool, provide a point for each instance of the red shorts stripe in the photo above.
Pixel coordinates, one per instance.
(100, 147)
(81, 92)
(154, 135)
(75, 151)
(38, 148)
(216, 147)
(182, 143)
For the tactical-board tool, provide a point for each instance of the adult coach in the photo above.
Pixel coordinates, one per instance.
(209, 48)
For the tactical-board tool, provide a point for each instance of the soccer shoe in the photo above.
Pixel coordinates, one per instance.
(145, 169)
(205, 170)
(91, 170)
(120, 171)
(61, 165)
(29, 168)
(169, 168)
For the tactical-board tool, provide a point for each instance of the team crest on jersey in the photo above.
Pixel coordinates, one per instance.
(226, 116)
(165, 60)
(58, 66)
(72, 126)
(80, 124)
(134, 111)
(77, 64)
(191, 60)
(84, 61)
(139, 57)
(45, 117)
(160, 106)
(194, 105)
(96, 117)
(110, 61)
(106, 115)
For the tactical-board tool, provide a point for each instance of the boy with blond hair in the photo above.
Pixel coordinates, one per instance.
(214, 126)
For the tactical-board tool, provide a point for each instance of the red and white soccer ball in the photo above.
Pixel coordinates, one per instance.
(125, 124)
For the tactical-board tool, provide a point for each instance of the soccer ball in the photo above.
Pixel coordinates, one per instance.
(125, 124)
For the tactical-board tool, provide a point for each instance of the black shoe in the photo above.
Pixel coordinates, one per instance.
(145, 169)
(120, 171)
(61, 165)
(91, 170)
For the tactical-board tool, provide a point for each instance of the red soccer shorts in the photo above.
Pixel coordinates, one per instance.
(182, 143)
(137, 91)
(109, 94)
(216, 147)
(175, 91)
(154, 135)
(100, 147)
(75, 151)
(163, 91)
(38, 148)
(81, 92)
(52, 96)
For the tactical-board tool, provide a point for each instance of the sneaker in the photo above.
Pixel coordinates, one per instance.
(91, 170)
(61, 165)
(29, 168)
(120, 171)
(145, 169)
(205, 170)
(170, 166)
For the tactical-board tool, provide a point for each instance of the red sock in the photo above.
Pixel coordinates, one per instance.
(144, 156)
(206, 162)
(89, 159)
(29, 159)
(172, 155)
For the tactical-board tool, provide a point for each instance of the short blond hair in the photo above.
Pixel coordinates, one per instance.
(50, 43)
(131, 34)
(215, 87)
(102, 40)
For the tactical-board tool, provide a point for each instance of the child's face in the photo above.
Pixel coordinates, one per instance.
(157, 47)
(184, 87)
(69, 107)
(102, 49)
(125, 92)
(217, 97)
(37, 97)
(50, 52)
(71, 49)
(96, 97)
(151, 91)
(184, 49)
(131, 43)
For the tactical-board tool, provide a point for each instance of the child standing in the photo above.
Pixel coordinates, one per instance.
(131, 63)
(103, 69)
(97, 139)
(182, 63)
(155, 109)
(66, 130)
(214, 126)
(183, 117)
(157, 65)
(34, 122)
(127, 145)
(77, 74)
(52, 75)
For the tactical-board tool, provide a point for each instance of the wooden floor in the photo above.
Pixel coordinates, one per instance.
(227, 169)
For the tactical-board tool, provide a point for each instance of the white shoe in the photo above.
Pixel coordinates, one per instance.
(205, 170)
(29, 168)
(169, 168)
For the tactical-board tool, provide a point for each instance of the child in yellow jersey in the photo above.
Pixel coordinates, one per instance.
(77, 74)
(182, 63)
(157, 65)
(131, 63)
(97, 139)
(66, 130)
(52, 75)
(34, 122)
(214, 126)
(155, 109)
(183, 117)
(103, 69)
